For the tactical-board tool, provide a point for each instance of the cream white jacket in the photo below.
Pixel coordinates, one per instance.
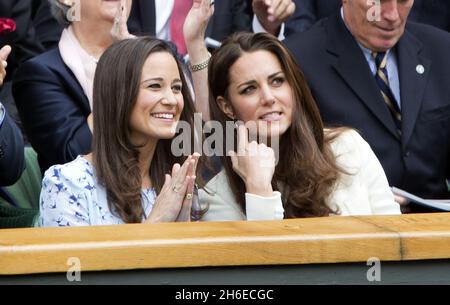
(364, 191)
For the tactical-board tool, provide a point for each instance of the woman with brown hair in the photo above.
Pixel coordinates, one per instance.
(252, 78)
(140, 95)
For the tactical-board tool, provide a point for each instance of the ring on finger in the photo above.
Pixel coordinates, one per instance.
(188, 196)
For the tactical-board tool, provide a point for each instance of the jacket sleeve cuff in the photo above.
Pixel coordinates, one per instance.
(264, 208)
(258, 28)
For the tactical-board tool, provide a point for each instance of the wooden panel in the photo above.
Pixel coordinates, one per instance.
(171, 245)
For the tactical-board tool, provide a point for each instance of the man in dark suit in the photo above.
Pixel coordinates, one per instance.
(229, 16)
(400, 102)
(308, 12)
(12, 160)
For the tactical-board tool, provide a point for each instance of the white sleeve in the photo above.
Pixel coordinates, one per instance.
(381, 197)
(264, 208)
(258, 28)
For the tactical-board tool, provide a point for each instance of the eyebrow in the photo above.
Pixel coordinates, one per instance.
(250, 82)
(160, 79)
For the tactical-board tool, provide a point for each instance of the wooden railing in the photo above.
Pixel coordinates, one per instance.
(175, 245)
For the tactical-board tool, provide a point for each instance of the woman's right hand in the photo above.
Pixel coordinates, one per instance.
(4, 53)
(175, 199)
(254, 163)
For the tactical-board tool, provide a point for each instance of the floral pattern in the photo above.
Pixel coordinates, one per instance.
(72, 196)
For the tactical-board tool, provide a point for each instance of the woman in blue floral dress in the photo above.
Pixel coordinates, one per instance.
(140, 95)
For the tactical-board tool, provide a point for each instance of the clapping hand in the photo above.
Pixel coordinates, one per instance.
(175, 199)
(4, 53)
(272, 13)
(254, 163)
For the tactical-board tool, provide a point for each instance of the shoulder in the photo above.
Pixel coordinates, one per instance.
(351, 151)
(346, 140)
(309, 39)
(77, 174)
(45, 64)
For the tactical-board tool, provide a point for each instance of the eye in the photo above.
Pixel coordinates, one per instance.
(278, 81)
(154, 86)
(247, 90)
(177, 88)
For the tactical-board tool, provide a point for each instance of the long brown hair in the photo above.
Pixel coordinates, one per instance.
(116, 159)
(307, 172)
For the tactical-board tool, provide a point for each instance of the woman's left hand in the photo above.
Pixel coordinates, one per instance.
(119, 30)
(194, 27)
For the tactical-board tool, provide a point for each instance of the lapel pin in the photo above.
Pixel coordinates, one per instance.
(420, 69)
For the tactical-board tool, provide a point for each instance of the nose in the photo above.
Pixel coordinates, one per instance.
(267, 96)
(389, 11)
(169, 98)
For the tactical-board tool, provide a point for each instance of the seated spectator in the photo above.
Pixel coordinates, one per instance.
(320, 172)
(308, 12)
(389, 80)
(53, 91)
(164, 19)
(11, 143)
(140, 95)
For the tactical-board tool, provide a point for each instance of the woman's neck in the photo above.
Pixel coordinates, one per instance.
(93, 38)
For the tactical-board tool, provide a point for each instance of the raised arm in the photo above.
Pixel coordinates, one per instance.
(194, 33)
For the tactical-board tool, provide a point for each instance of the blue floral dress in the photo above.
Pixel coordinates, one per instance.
(72, 196)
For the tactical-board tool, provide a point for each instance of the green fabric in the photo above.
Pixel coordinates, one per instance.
(25, 193)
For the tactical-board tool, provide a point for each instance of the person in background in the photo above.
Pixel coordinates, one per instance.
(53, 91)
(12, 161)
(132, 175)
(308, 12)
(389, 80)
(164, 19)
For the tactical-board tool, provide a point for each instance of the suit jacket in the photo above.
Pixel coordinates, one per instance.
(364, 190)
(12, 161)
(23, 40)
(53, 109)
(347, 94)
(229, 16)
(308, 12)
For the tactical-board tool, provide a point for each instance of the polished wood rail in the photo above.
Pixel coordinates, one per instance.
(176, 245)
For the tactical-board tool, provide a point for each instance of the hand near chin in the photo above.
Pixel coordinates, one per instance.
(119, 30)
(175, 199)
(254, 163)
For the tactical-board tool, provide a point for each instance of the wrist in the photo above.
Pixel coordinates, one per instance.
(259, 189)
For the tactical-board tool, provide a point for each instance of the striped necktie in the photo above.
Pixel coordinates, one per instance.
(382, 80)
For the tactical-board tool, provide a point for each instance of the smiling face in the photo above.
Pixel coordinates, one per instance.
(259, 93)
(160, 101)
(378, 35)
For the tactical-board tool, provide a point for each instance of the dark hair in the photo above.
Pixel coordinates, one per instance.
(307, 171)
(116, 159)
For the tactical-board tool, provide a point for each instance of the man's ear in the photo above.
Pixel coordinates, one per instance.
(226, 107)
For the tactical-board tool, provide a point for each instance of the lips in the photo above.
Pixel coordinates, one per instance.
(163, 115)
(271, 116)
